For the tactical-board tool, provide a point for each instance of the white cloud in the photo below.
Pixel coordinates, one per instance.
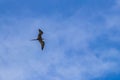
(66, 54)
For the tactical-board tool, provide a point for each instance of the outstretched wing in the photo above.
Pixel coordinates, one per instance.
(42, 44)
(40, 33)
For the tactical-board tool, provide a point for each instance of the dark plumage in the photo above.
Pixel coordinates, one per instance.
(40, 39)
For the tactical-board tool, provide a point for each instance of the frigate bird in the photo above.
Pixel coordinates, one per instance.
(40, 39)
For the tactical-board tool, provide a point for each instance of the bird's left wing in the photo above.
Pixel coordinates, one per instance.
(40, 31)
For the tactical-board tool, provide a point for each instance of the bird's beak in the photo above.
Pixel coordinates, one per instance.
(33, 39)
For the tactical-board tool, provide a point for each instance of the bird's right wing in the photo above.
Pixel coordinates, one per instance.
(42, 44)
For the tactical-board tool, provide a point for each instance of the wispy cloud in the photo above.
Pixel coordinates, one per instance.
(76, 47)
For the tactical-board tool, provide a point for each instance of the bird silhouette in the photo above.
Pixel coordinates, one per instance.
(40, 39)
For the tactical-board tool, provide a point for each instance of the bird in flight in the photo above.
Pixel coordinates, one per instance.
(40, 39)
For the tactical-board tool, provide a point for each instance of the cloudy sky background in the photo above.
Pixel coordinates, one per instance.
(82, 40)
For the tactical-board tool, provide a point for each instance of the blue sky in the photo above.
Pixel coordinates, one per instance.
(81, 40)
